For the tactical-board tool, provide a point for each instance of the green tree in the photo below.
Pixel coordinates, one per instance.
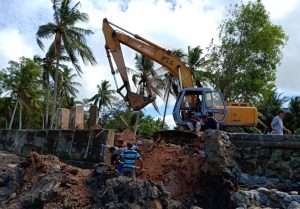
(47, 65)
(119, 117)
(22, 83)
(147, 81)
(293, 116)
(148, 126)
(67, 86)
(68, 38)
(6, 106)
(103, 96)
(244, 65)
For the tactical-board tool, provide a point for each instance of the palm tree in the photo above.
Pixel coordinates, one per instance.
(48, 65)
(22, 82)
(293, 117)
(147, 81)
(171, 83)
(67, 86)
(67, 38)
(104, 95)
(5, 109)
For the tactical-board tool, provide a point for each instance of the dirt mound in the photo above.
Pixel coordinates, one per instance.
(126, 136)
(193, 177)
(172, 165)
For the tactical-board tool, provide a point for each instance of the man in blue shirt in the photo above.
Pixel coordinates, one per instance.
(210, 122)
(129, 156)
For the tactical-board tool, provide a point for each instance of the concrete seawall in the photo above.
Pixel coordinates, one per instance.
(77, 145)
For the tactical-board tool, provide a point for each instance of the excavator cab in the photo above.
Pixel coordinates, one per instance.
(199, 101)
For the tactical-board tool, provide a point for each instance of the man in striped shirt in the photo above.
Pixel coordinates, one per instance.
(129, 156)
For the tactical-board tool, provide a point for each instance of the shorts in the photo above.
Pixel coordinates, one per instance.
(129, 172)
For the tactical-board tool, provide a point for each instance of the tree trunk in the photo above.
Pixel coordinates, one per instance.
(13, 115)
(59, 106)
(20, 116)
(165, 111)
(57, 53)
(135, 126)
(47, 102)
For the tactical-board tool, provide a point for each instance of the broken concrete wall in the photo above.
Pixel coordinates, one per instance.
(78, 145)
(76, 118)
(63, 118)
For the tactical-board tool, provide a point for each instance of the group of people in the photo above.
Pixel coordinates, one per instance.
(123, 159)
(202, 123)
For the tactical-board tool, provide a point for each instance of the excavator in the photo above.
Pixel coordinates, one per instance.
(211, 101)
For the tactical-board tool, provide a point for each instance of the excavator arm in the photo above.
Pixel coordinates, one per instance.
(115, 38)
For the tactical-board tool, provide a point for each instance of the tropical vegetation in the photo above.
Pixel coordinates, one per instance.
(242, 64)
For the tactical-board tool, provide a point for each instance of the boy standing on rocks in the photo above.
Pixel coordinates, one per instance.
(129, 157)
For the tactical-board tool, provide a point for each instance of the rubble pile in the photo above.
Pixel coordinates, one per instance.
(125, 193)
(175, 177)
(263, 197)
(43, 182)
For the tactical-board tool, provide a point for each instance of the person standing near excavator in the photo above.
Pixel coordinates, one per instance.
(277, 124)
(129, 156)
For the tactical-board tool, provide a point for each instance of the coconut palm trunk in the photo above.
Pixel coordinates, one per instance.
(165, 110)
(20, 116)
(136, 123)
(13, 115)
(47, 103)
(59, 106)
(57, 53)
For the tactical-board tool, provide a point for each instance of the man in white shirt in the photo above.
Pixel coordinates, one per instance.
(277, 124)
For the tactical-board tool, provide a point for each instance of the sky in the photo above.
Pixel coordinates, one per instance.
(168, 23)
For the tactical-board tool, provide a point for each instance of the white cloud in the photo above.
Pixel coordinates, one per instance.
(279, 8)
(13, 46)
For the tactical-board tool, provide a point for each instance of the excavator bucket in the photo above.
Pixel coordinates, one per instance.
(137, 101)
